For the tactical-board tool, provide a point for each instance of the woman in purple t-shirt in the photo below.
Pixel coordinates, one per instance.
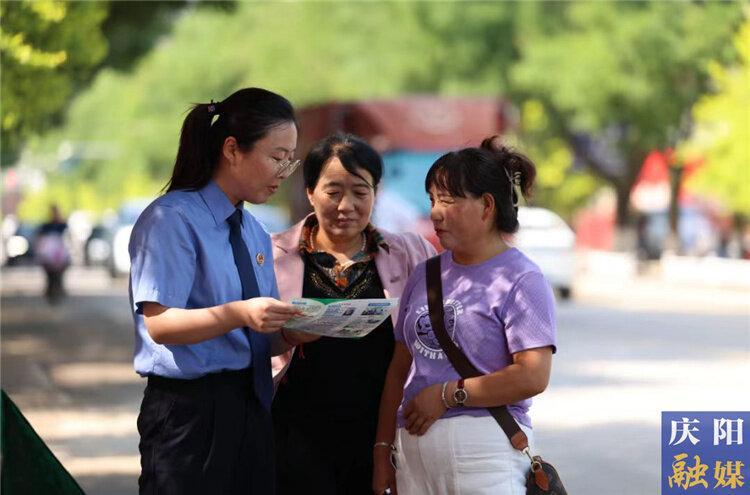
(500, 312)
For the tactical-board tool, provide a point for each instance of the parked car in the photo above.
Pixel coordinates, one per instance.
(119, 258)
(98, 246)
(19, 247)
(545, 238)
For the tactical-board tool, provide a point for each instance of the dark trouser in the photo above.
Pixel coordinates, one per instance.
(207, 435)
(55, 290)
(324, 457)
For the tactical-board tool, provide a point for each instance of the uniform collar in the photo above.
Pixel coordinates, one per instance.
(218, 203)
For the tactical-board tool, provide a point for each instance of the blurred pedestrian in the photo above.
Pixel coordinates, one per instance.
(52, 254)
(326, 408)
(499, 311)
(205, 305)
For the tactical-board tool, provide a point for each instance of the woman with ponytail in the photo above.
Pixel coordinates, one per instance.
(499, 311)
(205, 302)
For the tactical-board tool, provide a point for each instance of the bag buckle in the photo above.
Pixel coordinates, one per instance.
(540, 477)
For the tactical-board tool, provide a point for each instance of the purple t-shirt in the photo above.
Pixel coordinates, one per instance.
(492, 310)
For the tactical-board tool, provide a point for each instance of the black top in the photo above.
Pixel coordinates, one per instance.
(52, 227)
(334, 378)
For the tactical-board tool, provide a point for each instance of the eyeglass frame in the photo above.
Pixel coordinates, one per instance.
(286, 167)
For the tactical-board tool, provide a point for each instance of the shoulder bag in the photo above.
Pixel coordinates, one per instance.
(542, 478)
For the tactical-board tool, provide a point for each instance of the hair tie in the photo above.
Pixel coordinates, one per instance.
(212, 107)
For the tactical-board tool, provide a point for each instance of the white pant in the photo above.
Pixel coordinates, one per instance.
(460, 455)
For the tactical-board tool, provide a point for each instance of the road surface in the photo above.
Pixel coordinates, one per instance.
(626, 352)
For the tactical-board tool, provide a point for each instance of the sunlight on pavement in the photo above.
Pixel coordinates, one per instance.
(23, 345)
(651, 295)
(74, 375)
(103, 466)
(667, 372)
(648, 387)
(71, 423)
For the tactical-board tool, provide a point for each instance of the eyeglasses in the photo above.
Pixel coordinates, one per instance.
(287, 167)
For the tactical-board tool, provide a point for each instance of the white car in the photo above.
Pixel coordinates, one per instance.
(545, 238)
(119, 257)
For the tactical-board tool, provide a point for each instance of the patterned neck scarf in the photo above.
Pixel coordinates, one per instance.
(341, 274)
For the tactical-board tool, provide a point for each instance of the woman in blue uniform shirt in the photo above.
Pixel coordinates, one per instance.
(205, 302)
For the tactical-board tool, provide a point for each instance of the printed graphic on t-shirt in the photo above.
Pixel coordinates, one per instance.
(425, 340)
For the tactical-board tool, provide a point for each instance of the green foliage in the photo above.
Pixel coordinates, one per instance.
(722, 132)
(48, 49)
(571, 67)
(634, 66)
(136, 117)
(134, 26)
(559, 184)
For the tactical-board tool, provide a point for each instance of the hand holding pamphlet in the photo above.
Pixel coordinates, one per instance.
(344, 318)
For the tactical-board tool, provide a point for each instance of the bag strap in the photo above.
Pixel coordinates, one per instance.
(458, 359)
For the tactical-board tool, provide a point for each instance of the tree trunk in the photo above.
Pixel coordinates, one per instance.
(624, 233)
(622, 218)
(672, 243)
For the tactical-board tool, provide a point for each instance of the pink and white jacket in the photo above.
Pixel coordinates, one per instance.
(406, 250)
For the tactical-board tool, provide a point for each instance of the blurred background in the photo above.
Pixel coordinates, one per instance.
(637, 115)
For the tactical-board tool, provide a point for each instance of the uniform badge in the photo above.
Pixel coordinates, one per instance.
(260, 259)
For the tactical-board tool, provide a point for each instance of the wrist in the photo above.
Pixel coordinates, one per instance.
(384, 447)
(238, 314)
(450, 389)
(382, 452)
(459, 395)
(445, 396)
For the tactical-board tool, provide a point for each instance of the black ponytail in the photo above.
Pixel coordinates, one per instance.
(247, 115)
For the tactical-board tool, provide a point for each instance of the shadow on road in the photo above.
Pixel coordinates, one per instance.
(69, 369)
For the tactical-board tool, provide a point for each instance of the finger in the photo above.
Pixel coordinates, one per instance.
(410, 418)
(281, 316)
(416, 425)
(269, 327)
(282, 308)
(425, 426)
(266, 323)
(276, 315)
(275, 320)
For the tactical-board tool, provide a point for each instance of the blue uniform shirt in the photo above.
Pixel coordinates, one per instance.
(181, 258)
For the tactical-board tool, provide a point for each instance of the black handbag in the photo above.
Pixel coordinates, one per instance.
(542, 478)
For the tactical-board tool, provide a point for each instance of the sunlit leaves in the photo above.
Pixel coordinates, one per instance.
(721, 137)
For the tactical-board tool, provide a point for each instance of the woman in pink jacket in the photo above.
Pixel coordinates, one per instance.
(326, 407)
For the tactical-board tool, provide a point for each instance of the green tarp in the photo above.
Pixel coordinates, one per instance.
(28, 465)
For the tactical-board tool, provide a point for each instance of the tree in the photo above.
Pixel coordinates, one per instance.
(49, 49)
(618, 79)
(122, 132)
(610, 81)
(133, 27)
(598, 84)
(721, 136)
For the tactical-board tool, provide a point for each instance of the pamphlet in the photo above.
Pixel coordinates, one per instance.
(344, 318)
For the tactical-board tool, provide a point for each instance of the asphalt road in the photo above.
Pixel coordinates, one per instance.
(625, 353)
